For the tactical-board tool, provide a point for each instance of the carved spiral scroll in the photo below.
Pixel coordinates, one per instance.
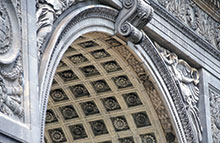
(132, 18)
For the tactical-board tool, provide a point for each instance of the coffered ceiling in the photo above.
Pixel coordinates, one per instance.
(96, 97)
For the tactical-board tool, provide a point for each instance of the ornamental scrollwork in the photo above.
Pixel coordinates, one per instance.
(187, 80)
(11, 69)
(193, 16)
(134, 15)
(214, 98)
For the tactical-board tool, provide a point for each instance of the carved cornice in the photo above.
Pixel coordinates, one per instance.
(212, 7)
(199, 28)
(214, 98)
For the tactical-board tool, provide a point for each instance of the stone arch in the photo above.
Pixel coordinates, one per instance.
(100, 18)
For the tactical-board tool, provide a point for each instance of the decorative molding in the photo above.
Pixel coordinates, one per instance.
(214, 98)
(212, 7)
(195, 18)
(187, 80)
(11, 73)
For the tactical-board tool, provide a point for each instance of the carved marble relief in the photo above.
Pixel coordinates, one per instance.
(214, 98)
(11, 69)
(193, 16)
(47, 12)
(187, 79)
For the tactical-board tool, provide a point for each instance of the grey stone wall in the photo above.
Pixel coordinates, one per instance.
(165, 28)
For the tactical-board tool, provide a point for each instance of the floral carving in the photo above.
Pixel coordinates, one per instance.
(78, 59)
(101, 86)
(132, 99)
(57, 135)
(99, 54)
(111, 103)
(141, 119)
(120, 123)
(148, 138)
(89, 108)
(126, 140)
(111, 66)
(58, 95)
(78, 131)
(79, 90)
(50, 116)
(68, 112)
(98, 127)
(122, 81)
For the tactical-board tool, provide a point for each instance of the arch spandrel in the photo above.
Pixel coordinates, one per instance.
(79, 24)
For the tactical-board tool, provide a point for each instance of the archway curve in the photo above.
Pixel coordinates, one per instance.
(67, 31)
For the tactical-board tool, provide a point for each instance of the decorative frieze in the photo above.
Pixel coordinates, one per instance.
(214, 98)
(193, 16)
